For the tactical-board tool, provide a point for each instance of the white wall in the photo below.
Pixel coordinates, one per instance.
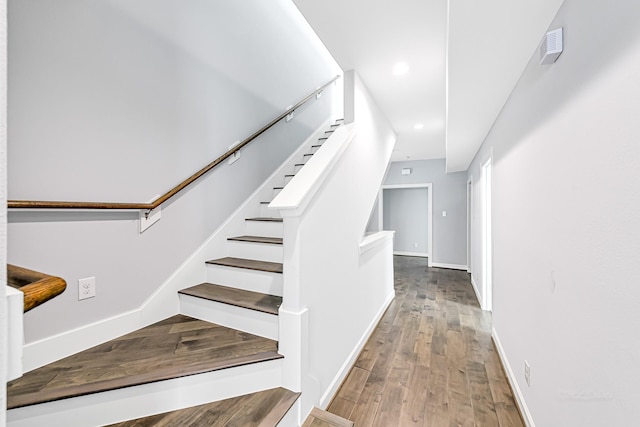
(120, 100)
(488, 46)
(565, 219)
(449, 194)
(3, 212)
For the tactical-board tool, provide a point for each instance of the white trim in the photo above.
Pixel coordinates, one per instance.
(451, 266)
(416, 254)
(522, 404)
(15, 332)
(56, 347)
(351, 360)
(426, 185)
(475, 289)
(469, 216)
(373, 240)
(487, 235)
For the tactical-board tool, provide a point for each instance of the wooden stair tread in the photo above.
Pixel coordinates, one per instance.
(320, 418)
(264, 219)
(238, 297)
(250, 264)
(172, 348)
(263, 409)
(257, 239)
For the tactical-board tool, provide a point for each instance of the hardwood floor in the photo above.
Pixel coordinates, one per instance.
(262, 409)
(431, 361)
(175, 347)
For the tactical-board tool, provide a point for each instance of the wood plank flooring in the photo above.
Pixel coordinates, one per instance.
(320, 418)
(263, 409)
(175, 347)
(431, 361)
(239, 297)
(250, 264)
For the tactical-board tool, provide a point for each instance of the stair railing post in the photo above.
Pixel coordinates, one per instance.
(294, 317)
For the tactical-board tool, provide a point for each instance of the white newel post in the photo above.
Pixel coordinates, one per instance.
(293, 315)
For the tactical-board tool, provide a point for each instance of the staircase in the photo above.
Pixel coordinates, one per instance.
(215, 363)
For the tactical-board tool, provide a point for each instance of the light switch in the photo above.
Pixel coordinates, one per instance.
(444, 213)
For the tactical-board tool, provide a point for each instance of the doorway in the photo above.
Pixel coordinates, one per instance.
(407, 209)
(487, 252)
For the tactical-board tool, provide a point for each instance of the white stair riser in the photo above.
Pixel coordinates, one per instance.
(276, 191)
(242, 278)
(242, 319)
(265, 211)
(139, 401)
(252, 250)
(264, 228)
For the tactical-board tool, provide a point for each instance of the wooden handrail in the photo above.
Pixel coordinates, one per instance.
(37, 287)
(39, 204)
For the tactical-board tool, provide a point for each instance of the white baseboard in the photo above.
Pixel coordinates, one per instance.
(475, 290)
(450, 266)
(56, 347)
(519, 398)
(348, 363)
(416, 254)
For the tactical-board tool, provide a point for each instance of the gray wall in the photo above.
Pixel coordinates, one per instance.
(406, 212)
(120, 100)
(450, 195)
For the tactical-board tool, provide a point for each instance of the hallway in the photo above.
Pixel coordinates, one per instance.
(430, 361)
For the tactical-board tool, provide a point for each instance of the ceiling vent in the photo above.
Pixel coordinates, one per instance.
(551, 47)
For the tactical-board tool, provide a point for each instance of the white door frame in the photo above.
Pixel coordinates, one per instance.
(428, 186)
(487, 244)
(469, 220)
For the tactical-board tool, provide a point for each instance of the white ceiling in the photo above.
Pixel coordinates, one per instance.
(489, 44)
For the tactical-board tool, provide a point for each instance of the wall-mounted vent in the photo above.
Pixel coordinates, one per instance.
(551, 47)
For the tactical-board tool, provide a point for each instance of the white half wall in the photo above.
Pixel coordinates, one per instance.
(338, 291)
(565, 222)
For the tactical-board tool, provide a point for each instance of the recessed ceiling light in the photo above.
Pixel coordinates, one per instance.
(418, 126)
(400, 69)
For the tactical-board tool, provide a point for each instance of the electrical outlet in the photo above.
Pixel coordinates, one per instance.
(527, 373)
(86, 288)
